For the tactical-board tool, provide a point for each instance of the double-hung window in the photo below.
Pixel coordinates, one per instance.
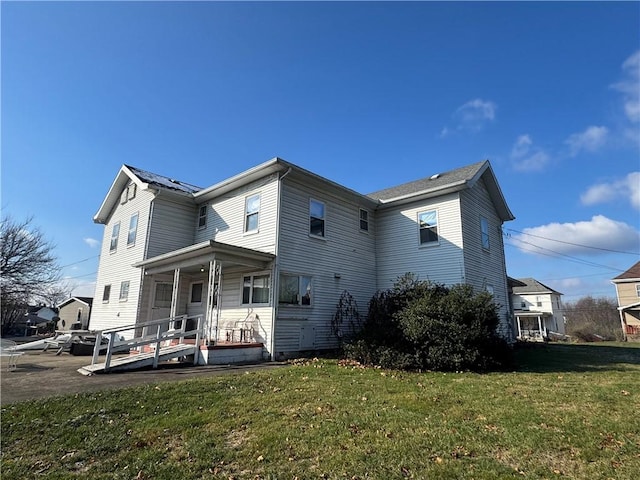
(202, 217)
(638, 289)
(316, 218)
(106, 293)
(124, 291)
(113, 246)
(255, 289)
(196, 292)
(484, 232)
(133, 229)
(364, 220)
(252, 213)
(428, 222)
(294, 290)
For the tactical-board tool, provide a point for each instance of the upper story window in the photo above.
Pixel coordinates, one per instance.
(202, 216)
(196, 292)
(133, 229)
(295, 290)
(364, 220)
(124, 291)
(255, 289)
(316, 218)
(128, 193)
(428, 222)
(484, 231)
(538, 302)
(113, 246)
(252, 213)
(638, 289)
(106, 293)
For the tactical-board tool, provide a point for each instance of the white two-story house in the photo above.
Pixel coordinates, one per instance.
(277, 245)
(537, 309)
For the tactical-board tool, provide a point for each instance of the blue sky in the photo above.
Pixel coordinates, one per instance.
(368, 94)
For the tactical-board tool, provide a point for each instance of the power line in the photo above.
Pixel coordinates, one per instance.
(560, 255)
(574, 244)
(80, 276)
(80, 261)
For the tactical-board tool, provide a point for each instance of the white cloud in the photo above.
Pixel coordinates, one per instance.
(599, 232)
(526, 157)
(472, 116)
(592, 139)
(92, 242)
(629, 86)
(628, 187)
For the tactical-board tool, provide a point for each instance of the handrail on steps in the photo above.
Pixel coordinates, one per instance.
(157, 338)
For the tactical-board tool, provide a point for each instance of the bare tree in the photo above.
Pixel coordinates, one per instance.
(29, 272)
(592, 318)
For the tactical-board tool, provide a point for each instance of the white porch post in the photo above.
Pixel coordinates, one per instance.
(540, 325)
(210, 302)
(624, 329)
(218, 273)
(519, 326)
(174, 294)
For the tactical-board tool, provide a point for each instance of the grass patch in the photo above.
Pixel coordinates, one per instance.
(571, 411)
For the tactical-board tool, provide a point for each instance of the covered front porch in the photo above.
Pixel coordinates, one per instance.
(226, 286)
(532, 326)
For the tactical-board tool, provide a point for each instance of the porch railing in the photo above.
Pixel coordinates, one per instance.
(152, 334)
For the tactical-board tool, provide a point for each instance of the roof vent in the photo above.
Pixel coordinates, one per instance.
(433, 177)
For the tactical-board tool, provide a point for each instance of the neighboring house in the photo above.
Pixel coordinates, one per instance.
(45, 314)
(277, 245)
(537, 309)
(628, 293)
(74, 313)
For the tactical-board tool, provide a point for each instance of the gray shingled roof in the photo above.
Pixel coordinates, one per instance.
(533, 286)
(433, 183)
(163, 182)
(631, 274)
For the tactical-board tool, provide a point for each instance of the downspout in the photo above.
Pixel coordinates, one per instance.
(276, 269)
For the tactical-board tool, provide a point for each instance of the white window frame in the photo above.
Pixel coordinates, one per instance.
(248, 214)
(638, 289)
(323, 218)
(420, 228)
(203, 212)
(365, 220)
(131, 191)
(124, 290)
(484, 233)
(301, 281)
(106, 293)
(252, 287)
(115, 233)
(133, 231)
(202, 292)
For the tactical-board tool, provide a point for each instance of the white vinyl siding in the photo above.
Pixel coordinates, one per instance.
(484, 266)
(226, 222)
(399, 250)
(171, 226)
(345, 261)
(120, 265)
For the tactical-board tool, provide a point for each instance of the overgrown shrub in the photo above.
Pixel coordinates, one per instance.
(426, 326)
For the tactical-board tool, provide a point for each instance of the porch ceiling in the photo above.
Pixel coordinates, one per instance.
(195, 257)
(532, 314)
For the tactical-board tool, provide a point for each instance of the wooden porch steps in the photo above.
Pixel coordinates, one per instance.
(141, 360)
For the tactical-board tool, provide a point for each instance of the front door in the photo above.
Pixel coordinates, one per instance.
(161, 307)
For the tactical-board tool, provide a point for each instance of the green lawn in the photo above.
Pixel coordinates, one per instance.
(571, 411)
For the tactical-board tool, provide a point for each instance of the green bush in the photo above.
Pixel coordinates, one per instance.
(426, 326)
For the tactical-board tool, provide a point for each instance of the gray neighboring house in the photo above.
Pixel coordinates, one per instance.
(277, 245)
(537, 309)
(74, 313)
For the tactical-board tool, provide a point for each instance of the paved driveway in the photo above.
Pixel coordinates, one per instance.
(45, 374)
